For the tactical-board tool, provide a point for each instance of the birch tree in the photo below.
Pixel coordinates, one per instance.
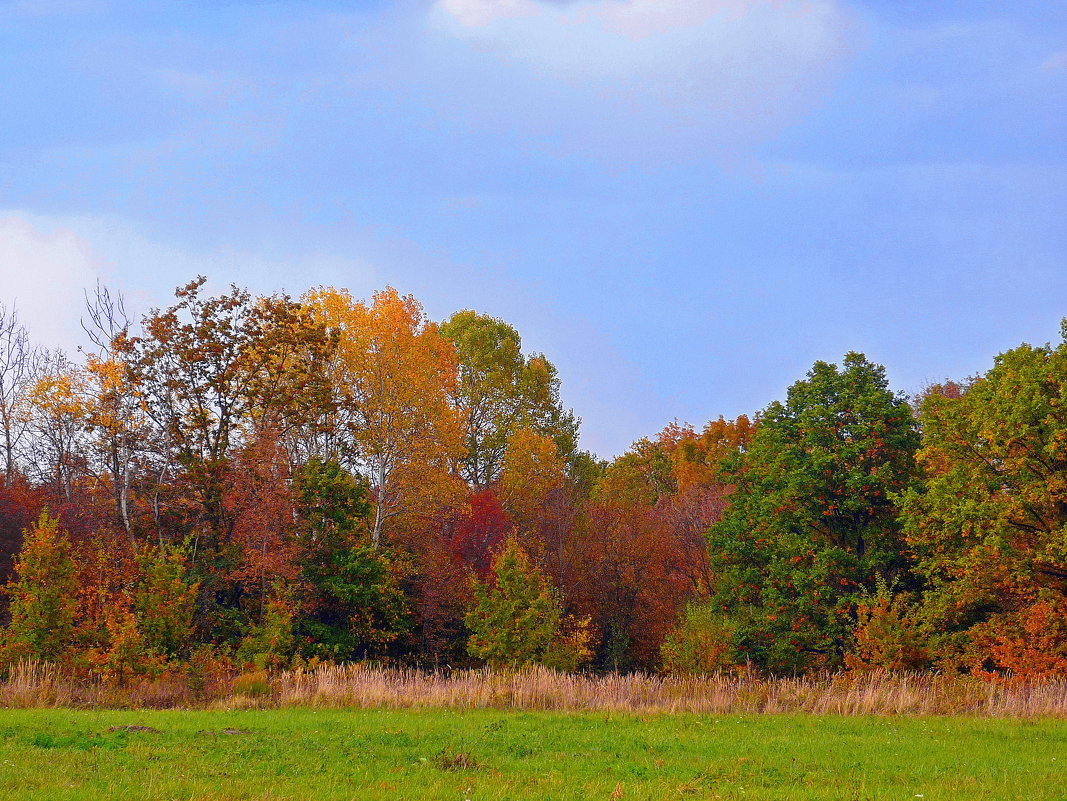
(393, 373)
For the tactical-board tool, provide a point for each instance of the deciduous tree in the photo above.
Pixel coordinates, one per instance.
(501, 392)
(811, 523)
(18, 362)
(209, 370)
(989, 527)
(394, 373)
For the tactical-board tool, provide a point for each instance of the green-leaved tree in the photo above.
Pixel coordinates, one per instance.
(501, 391)
(989, 526)
(516, 613)
(811, 525)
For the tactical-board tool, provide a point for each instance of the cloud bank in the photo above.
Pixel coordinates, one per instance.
(665, 75)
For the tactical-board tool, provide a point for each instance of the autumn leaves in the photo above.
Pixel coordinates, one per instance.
(312, 461)
(255, 481)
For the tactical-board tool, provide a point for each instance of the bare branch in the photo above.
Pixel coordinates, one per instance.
(107, 317)
(18, 365)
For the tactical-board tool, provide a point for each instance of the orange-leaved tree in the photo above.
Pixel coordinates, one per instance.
(532, 472)
(43, 595)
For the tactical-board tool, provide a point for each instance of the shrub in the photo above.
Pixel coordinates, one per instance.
(701, 643)
(572, 647)
(270, 643)
(255, 684)
(1029, 643)
(163, 601)
(887, 635)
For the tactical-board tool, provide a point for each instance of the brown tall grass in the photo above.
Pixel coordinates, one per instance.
(365, 686)
(38, 684)
(540, 689)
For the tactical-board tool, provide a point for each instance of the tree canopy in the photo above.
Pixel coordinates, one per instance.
(812, 522)
(249, 482)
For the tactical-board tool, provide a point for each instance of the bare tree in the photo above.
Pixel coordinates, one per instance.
(115, 419)
(18, 364)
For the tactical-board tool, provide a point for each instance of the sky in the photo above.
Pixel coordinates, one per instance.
(682, 203)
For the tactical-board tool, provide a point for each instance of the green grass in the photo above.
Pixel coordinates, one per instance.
(439, 754)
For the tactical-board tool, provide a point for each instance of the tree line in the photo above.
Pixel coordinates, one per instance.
(239, 481)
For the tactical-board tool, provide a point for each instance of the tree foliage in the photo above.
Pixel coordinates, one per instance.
(702, 643)
(501, 392)
(43, 594)
(251, 480)
(989, 528)
(393, 374)
(163, 601)
(812, 523)
(516, 613)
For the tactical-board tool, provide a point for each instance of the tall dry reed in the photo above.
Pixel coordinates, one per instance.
(39, 684)
(366, 686)
(358, 685)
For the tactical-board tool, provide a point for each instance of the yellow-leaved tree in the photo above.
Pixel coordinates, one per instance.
(59, 410)
(532, 472)
(392, 374)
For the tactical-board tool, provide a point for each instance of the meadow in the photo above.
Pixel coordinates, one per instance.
(302, 753)
(357, 731)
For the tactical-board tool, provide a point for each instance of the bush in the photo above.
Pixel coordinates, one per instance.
(269, 644)
(701, 643)
(255, 684)
(887, 635)
(163, 600)
(572, 647)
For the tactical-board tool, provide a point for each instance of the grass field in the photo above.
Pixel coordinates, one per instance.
(488, 754)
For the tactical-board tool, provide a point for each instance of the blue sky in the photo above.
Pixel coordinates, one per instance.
(683, 203)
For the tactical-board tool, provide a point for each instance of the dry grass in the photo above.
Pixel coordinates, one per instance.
(364, 686)
(31, 685)
(539, 689)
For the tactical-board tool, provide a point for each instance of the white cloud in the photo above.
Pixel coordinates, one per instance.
(44, 269)
(635, 19)
(47, 263)
(553, 32)
(482, 12)
(662, 74)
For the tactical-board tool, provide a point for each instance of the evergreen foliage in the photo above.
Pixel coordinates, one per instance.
(516, 614)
